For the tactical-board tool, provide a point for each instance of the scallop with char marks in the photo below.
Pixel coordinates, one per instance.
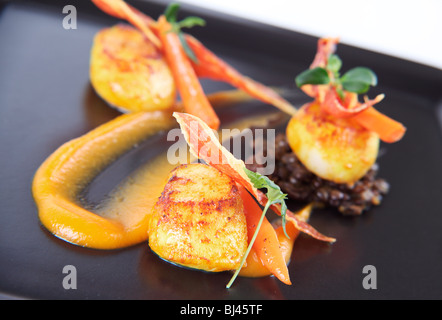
(199, 221)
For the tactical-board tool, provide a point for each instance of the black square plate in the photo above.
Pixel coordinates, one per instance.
(46, 99)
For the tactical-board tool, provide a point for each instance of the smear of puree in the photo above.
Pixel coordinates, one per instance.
(121, 220)
(61, 178)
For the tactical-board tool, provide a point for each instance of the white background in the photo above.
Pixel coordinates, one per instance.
(407, 29)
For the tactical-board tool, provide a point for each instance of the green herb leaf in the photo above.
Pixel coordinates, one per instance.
(274, 196)
(334, 64)
(358, 80)
(274, 193)
(259, 181)
(357, 87)
(190, 22)
(172, 12)
(312, 76)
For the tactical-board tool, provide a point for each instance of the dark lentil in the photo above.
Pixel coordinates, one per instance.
(302, 185)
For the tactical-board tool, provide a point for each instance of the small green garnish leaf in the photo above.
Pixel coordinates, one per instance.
(357, 87)
(274, 196)
(356, 80)
(359, 80)
(259, 181)
(274, 193)
(334, 64)
(171, 15)
(312, 76)
(191, 22)
(172, 12)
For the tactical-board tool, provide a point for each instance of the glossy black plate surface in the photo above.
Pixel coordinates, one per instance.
(46, 99)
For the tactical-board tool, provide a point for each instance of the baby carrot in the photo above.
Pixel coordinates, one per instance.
(266, 244)
(192, 95)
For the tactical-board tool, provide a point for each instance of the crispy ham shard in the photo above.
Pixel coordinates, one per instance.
(204, 145)
(350, 105)
(326, 47)
(212, 67)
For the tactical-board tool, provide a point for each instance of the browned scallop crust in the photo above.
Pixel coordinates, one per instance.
(129, 72)
(199, 221)
(336, 149)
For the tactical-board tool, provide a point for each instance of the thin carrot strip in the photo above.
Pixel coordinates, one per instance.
(194, 100)
(254, 266)
(389, 130)
(266, 244)
(211, 66)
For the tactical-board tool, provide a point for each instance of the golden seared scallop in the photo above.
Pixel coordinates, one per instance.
(129, 72)
(199, 220)
(339, 150)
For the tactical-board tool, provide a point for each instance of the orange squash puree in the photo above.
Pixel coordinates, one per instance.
(71, 167)
(122, 218)
(254, 267)
(138, 193)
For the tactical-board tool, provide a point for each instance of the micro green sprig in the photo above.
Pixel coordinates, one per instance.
(274, 196)
(171, 15)
(356, 80)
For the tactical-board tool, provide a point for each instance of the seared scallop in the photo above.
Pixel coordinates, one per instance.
(199, 221)
(339, 150)
(129, 72)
